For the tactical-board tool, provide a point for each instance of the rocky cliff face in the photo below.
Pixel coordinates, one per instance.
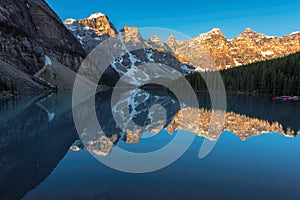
(30, 31)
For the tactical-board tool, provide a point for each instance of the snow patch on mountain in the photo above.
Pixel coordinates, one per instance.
(97, 38)
(215, 31)
(267, 53)
(96, 15)
(69, 21)
(209, 34)
(294, 33)
(134, 102)
(187, 69)
(116, 63)
(50, 116)
(236, 62)
(80, 39)
(270, 37)
(149, 54)
(47, 61)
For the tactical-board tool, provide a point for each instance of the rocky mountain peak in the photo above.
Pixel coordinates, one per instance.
(69, 21)
(156, 40)
(171, 42)
(249, 33)
(156, 43)
(171, 38)
(131, 34)
(99, 23)
(215, 33)
(130, 29)
(96, 15)
(91, 31)
(295, 33)
(248, 30)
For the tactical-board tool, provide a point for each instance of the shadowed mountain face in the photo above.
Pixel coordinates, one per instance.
(29, 33)
(30, 30)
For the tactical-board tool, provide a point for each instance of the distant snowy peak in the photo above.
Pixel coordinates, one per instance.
(248, 47)
(69, 21)
(247, 33)
(96, 15)
(91, 17)
(295, 33)
(248, 30)
(252, 33)
(214, 33)
(171, 38)
(253, 36)
(154, 38)
(271, 37)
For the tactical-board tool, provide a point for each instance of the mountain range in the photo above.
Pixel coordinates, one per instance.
(39, 52)
(246, 48)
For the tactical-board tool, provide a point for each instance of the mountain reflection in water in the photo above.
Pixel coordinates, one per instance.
(37, 132)
(194, 120)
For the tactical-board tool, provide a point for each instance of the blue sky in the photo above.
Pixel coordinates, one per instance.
(191, 17)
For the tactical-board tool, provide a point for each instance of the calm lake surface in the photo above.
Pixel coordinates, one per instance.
(37, 162)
